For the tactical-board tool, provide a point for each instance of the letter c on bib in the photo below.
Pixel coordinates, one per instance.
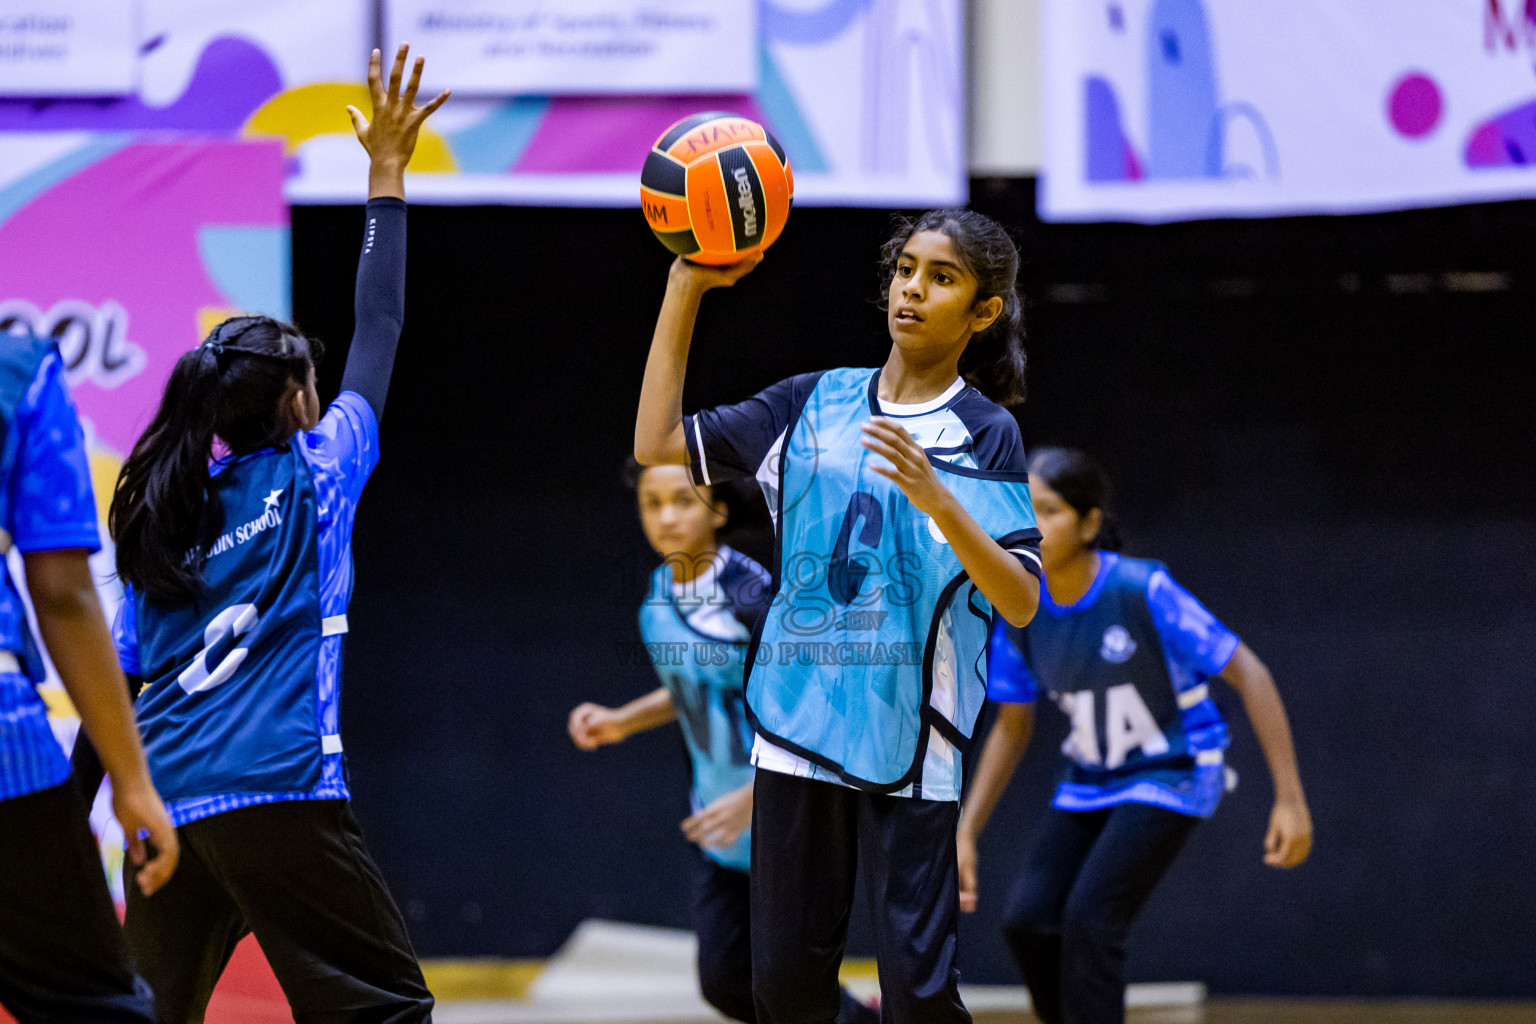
(237, 619)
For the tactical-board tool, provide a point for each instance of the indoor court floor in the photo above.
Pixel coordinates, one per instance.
(611, 973)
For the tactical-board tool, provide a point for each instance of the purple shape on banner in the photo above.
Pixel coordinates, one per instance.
(1414, 105)
(1110, 155)
(1506, 140)
(232, 79)
(612, 134)
(88, 238)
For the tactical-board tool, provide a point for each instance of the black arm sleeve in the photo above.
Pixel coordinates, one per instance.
(379, 304)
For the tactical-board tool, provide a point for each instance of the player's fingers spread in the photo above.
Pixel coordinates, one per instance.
(396, 71)
(359, 122)
(437, 101)
(415, 82)
(887, 433)
(375, 78)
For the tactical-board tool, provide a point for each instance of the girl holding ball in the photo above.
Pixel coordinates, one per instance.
(901, 503)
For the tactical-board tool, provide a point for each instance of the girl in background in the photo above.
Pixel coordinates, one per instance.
(704, 601)
(901, 504)
(1127, 654)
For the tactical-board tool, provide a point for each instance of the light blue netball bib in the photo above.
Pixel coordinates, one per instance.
(703, 673)
(876, 633)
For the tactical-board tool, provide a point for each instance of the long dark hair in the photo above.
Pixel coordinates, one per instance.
(993, 363)
(1083, 485)
(165, 510)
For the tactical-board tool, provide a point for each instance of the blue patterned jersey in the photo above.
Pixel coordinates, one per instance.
(1128, 663)
(46, 504)
(698, 635)
(871, 664)
(241, 698)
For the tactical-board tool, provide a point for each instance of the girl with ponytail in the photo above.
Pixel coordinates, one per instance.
(250, 386)
(233, 522)
(1128, 655)
(901, 502)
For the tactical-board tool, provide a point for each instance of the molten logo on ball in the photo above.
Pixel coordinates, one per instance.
(746, 202)
(716, 188)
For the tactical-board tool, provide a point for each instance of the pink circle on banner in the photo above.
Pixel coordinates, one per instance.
(1414, 105)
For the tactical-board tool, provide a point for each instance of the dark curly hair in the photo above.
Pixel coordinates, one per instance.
(994, 362)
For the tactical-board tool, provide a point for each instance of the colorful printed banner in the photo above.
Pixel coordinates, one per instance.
(128, 252)
(866, 96)
(1160, 110)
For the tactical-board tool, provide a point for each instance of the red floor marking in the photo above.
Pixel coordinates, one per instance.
(248, 993)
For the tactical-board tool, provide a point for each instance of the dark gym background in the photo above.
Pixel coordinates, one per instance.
(1323, 426)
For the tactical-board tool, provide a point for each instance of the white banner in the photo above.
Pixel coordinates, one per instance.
(571, 47)
(1160, 110)
(867, 97)
(68, 47)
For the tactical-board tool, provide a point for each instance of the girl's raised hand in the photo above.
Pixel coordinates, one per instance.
(909, 469)
(702, 277)
(390, 137)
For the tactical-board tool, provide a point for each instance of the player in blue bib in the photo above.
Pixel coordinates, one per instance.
(1127, 654)
(901, 504)
(236, 557)
(698, 615)
(61, 952)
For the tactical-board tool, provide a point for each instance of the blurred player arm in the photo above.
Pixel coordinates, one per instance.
(659, 421)
(1000, 755)
(70, 620)
(719, 825)
(593, 725)
(390, 139)
(85, 765)
(1289, 838)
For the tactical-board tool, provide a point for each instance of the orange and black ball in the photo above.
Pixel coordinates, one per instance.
(716, 188)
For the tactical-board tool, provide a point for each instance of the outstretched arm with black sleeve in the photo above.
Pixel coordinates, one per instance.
(390, 139)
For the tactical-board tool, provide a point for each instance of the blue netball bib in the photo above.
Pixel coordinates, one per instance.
(876, 638)
(20, 358)
(229, 703)
(1128, 664)
(703, 673)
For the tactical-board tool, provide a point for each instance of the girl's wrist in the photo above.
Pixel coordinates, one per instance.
(946, 509)
(684, 277)
(1290, 795)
